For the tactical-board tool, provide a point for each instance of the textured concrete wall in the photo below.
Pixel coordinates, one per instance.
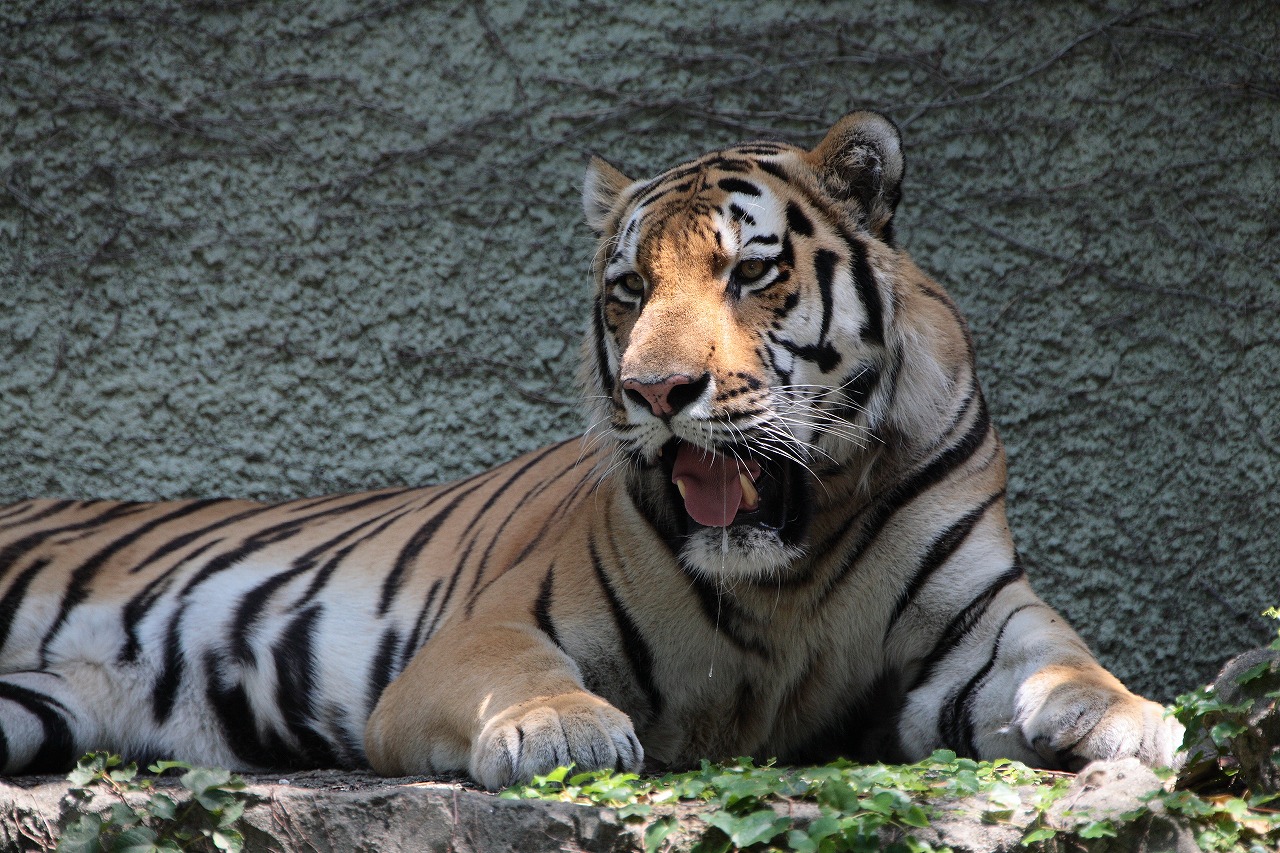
(274, 248)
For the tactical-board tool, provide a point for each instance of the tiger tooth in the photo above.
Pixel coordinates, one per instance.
(750, 497)
(680, 486)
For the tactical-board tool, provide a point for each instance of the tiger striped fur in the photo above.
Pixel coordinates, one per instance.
(785, 537)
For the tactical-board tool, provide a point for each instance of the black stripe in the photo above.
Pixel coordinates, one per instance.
(238, 722)
(773, 168)
(18, 509)
(797, 221)
(15, 551)
(321, 578)
(907, 491)
(82, 576)
(416, 639)
(730, 164)
(519, 504)
(856, 393)
(272, 535)
(14, 596)
(136, 609)
(164, 694)
(824, 269)
(822, 353)
(955, 722)
(864, 280)
(963, 622)
(722, 616)
(395, 578)
(634, 645)
(552, 519)
(737, 185)
(381, 669)
(762, 146)
(250, 610)
(542, 608)
(179, 542)
(295, 661)
(57, 747)
(940, 550)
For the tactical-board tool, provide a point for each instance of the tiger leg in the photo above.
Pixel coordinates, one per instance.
(1023, 685)
(504, 703)
(44, 726)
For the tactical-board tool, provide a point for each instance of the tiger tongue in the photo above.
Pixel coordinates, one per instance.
(711, 484)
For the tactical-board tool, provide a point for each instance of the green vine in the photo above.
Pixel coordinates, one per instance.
(859, 806)
(144, 820)
(742, 806)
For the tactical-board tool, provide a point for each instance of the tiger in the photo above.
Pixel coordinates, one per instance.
(783, 536)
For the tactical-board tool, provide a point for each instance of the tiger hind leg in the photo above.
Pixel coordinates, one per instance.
(44, 726)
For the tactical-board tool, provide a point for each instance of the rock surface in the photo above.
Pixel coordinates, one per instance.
(1246, 756)
(351, 811)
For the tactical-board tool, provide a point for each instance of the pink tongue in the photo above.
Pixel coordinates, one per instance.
(712, 491)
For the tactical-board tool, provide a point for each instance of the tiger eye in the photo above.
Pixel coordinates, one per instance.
(750, 269)
(632, 283)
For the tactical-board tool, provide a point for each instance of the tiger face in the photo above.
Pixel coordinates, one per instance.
(740, 336)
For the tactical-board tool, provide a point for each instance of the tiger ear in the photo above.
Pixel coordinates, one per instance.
(601, 190)
(860, 159)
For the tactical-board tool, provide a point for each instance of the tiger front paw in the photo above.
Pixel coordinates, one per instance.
(535, 737)
(1079, 723)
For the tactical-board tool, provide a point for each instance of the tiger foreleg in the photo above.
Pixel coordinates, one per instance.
(1076, 713)
(504, 704)
(1023, 685)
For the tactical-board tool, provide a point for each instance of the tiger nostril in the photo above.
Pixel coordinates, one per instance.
(682, 395)
(668, 395)
(636, 397)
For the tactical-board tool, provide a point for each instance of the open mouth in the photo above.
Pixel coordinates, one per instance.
(732, 489)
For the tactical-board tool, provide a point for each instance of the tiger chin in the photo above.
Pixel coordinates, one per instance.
(785, 537)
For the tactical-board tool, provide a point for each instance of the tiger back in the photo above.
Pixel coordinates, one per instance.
(784, 536)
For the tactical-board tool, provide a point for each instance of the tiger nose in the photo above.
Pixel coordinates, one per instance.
(666, 396)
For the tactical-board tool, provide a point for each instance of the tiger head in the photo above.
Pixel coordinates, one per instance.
(744, 342)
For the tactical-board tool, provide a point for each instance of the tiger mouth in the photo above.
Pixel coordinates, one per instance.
(734, 488)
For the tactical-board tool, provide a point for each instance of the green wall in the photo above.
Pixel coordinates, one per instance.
(284, 248)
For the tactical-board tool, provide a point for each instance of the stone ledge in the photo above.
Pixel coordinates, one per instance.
(338, 811)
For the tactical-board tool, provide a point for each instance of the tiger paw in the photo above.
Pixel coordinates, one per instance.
(1079, 723)
(535, 737)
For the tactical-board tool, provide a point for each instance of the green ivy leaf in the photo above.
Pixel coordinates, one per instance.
(1097, 829)
(228, 840)
(657, 832)
(198, 780)
(230, 813)
(161, 766)
(139, 839)
(82, 836)
(162, 806)
(915, 816)
(751, 828)
(1035, 836)
(122, 814)
(124, 774)
(1224, 731)
(1254, 672)
(631, 810)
